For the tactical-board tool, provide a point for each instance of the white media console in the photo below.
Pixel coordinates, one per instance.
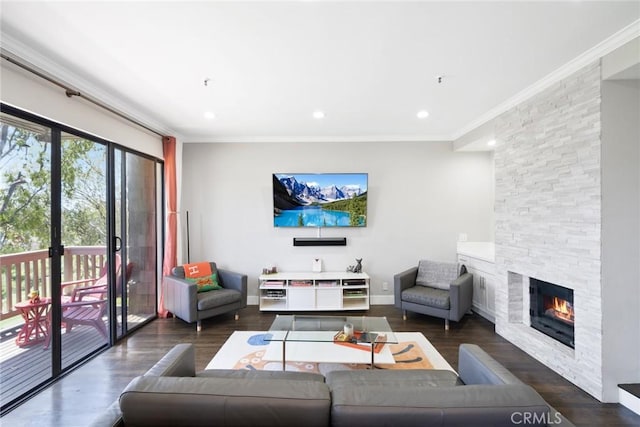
(302, 291)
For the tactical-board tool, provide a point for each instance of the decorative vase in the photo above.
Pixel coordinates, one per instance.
(34, 296)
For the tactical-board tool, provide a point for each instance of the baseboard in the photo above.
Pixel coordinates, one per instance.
(629, 401)
(484, 313)
(382, 300)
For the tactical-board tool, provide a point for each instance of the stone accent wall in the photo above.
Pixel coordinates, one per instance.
(548, 220)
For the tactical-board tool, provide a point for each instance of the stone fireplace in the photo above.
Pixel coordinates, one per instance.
(548, 222)
(567, 174)
(551, 310)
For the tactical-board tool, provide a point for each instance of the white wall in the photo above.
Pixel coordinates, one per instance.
(421, 195)
(33, 94)
(620, 222)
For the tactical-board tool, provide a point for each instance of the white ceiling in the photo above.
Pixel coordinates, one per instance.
(370, 66)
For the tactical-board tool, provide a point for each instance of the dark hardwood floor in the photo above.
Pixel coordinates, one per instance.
(78, 398)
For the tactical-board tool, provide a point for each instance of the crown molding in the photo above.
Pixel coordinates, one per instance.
(603, 48)
(316, 139)
(26, 55)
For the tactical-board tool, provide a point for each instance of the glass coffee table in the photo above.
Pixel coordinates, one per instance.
(330, 339)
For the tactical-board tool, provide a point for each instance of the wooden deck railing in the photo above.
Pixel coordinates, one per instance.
(22, 272)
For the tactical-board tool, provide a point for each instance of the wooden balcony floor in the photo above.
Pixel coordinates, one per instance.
(23, 368)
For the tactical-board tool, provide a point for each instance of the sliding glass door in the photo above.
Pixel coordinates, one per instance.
(25, 224)
(136, 219)
(85, 270)
(79, 226)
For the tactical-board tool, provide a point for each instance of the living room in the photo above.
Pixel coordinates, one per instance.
(425, 195)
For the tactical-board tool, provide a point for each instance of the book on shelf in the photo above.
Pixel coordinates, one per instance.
(354, 282)
(275, 294)
(300, 283)
(273, 283)
(361, 340)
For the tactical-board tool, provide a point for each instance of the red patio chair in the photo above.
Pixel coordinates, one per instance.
(88, 304)
(89, 311)
(87, 283)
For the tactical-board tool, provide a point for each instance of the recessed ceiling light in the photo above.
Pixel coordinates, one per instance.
(318, 114)
(209, 115)
(423, 114)
(491, 142)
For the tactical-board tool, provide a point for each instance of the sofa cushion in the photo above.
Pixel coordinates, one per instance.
(207, 300)
(392, 378)
(442, 406)
(436, 274)
(241, 374)
(167, 401)
(424, 295)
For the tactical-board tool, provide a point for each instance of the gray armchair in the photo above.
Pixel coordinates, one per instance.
(436, 289)
(183, 300)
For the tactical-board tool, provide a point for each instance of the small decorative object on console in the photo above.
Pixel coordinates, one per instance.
(317, 265)
(270, 270)
(356, 268)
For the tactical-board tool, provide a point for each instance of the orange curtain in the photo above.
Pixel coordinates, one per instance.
(171, 237)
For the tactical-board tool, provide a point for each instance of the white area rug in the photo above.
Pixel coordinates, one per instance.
(245, 350)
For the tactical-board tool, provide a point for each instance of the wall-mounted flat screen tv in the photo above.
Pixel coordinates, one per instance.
(320, 200)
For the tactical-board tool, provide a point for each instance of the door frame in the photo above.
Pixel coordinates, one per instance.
(57, 250)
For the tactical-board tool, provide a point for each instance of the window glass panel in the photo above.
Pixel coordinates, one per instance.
(141, 238)
(25, 224)
(85, 311)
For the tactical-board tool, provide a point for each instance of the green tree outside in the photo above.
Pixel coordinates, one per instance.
(25, 181)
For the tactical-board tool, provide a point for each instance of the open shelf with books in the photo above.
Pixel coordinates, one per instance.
(300, 291)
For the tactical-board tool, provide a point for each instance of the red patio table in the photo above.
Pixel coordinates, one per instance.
(36, 322)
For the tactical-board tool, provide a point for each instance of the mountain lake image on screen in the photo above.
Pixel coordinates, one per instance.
(320, 199)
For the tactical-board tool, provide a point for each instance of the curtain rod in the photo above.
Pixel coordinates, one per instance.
(70, 92)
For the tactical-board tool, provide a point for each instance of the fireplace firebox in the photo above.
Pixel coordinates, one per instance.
(551, 310)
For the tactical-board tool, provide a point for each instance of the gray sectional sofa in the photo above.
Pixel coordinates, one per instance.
(484, 393)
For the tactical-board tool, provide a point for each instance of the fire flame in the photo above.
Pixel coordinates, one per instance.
(563, 309)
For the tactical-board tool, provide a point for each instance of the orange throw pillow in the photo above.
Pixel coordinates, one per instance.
(197, 269)
(200, 273)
